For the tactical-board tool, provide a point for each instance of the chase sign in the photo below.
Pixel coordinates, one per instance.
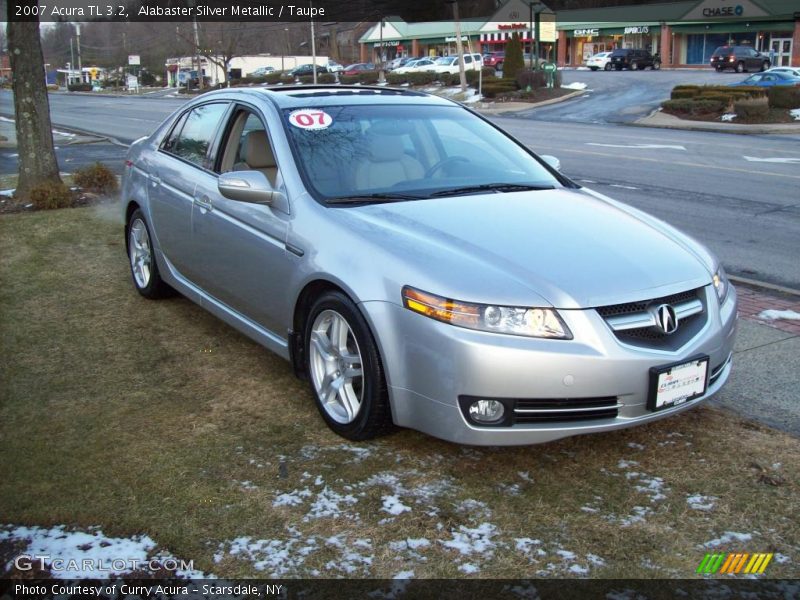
(724, 9)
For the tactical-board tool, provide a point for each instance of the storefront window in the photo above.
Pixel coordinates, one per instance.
(700, 46)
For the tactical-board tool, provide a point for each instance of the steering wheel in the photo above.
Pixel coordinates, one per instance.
(444, 162)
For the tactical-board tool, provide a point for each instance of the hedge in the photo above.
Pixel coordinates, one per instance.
(491, 90)
(784, 97)
(80, 87)
(752, 108)
(348, 79)
(694, 107)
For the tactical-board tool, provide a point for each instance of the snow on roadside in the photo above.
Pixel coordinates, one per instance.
(727, 537)
(773, 315)
(795, 113)
(107, 555)
(728, 117)
(577, 85)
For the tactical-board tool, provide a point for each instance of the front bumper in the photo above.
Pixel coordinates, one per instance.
(429, 364)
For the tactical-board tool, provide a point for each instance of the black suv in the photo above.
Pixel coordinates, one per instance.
(739, 58)
(633, 59)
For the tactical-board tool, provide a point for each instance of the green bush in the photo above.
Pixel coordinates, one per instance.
(684, 93)
(489, 74)
(705, 107)
(96, 178)
(80, 87)
(397, 78)
(273, 78)
(421, 78)
(751, 108)
(784, 97)
(306, 79)
(326, 78)
(513, 62)
(493, 90)
(348, 79)
(448, 79)
(681, 106)
(534, 79)
(50, 195)
(368, 77)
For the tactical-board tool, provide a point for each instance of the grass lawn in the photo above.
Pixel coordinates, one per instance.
(155, 418)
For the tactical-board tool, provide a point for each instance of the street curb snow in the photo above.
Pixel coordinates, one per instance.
(516, 106)
(661, 120)
(82, 132)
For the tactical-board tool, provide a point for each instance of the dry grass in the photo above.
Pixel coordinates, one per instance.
(147, 417)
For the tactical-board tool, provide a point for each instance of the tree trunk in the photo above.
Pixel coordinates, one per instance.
(37, 159)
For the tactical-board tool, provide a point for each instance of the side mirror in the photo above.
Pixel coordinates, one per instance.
(552, 161)
(247, 186)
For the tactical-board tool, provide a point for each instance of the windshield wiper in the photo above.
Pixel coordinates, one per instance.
(372, 198)
(493, 187)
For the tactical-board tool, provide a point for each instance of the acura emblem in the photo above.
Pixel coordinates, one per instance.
(666, 319)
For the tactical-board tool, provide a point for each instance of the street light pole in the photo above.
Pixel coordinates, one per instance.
(313, 48)
(461, 75)
(381, 74)
(536, 8)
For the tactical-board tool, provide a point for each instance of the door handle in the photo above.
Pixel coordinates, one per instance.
(155, 180)
(204, 202)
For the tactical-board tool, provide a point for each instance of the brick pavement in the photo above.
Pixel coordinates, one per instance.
(752, 302)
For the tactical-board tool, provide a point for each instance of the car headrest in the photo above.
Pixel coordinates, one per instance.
(256, 151)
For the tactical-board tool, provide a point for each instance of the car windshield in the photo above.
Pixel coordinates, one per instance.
(395, 152)
(445, 61)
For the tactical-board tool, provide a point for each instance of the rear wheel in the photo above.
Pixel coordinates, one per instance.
(345, 369)
(144, 270)
(765, 65)
(634, 66)
(499, 67)
(594, 68)
(740, 67)
(607, 67)
(656, 65)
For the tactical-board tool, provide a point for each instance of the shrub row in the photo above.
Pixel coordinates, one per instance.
(689, 106)
(784, 97)
(80, 87)
(751, 108)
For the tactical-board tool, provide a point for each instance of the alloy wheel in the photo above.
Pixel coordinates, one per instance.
(140, 253)
(336, 367)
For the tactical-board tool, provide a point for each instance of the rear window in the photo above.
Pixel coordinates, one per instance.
(620, 52)
(723, 51)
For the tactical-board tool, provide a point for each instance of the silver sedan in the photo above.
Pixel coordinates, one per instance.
(421, 268)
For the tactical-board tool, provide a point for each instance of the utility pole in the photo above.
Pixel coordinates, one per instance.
(71, 61)
(461, 75)
(80, 64)
(381, 74)
(197, 55)
(313, 46)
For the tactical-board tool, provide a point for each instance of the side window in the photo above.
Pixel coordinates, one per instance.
(198, 133)
(467, 59)
(172, 137)
(247, 147)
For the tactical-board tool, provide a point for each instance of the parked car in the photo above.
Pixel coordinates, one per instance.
(634, 59)
(739, 58)
(357, 68)
(262, 71)
(768, 79)
(794, 71)
(307, 69)
(601, 60)
(423, 64)
(422, 268)
(495, 59)
(449, 64)
(334, 67)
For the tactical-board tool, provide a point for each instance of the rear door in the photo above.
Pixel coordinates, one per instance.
(181, 158)
(243, 245)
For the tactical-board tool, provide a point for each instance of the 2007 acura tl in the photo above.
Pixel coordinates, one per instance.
(422, 268)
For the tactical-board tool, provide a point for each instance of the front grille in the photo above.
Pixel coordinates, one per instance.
(633, 307)
(549, 410)
(633, 323)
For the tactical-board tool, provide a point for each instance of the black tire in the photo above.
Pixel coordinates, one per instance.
(740, 67)
(719, 69)
(618, 67)
(656, 65)
(765, 65)
(634, 66)
(498, 66)
(594, 68)
(374, 416)
(155, 287)
(607, 67)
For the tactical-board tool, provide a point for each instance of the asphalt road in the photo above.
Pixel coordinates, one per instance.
(746, 209)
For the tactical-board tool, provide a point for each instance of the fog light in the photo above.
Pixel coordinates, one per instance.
(486, 411)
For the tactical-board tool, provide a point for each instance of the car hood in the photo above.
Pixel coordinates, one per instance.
(570, 248)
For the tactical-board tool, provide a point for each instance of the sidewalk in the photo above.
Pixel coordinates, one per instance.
(492, 108)
(666, 121)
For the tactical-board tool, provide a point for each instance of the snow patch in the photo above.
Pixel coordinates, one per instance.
(577, 85)
(795, 113)
(773, 315)
(728, 117)
(394, 506)
(477, 540)
(293, 498)
(727, 537)
(700, 502)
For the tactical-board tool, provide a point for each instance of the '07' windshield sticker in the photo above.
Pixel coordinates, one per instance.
(309, 118)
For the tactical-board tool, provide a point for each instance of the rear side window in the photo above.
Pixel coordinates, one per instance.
(198, 132)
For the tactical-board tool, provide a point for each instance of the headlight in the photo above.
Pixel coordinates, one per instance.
(720, 281)
(532, 322)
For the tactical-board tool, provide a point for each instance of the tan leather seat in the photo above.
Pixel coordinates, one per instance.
(386, 163)
(257, 154)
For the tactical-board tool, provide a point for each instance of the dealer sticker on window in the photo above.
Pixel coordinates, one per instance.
(310, 118)
(672, 385)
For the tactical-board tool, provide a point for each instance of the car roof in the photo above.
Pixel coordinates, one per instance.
(303, 96)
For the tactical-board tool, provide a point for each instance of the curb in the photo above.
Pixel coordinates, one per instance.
(96, 136)
(660, 120)
(528, 106)
(764, 285)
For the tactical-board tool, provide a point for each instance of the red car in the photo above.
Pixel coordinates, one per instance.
(358, 68)
(495, 59)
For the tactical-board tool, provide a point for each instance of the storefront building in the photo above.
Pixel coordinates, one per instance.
(399, 39)
(683, 34)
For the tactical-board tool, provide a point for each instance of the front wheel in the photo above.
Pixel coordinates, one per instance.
(634, 66)
(607, 67)
(740, 67)
(656, 65)
(765, 65)
(144, 270)
(345, 369)
(594, 68)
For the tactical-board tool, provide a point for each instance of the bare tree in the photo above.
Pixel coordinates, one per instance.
(37, 158)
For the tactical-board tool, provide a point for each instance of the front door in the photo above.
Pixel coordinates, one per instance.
(243, 245)
(781, 52)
